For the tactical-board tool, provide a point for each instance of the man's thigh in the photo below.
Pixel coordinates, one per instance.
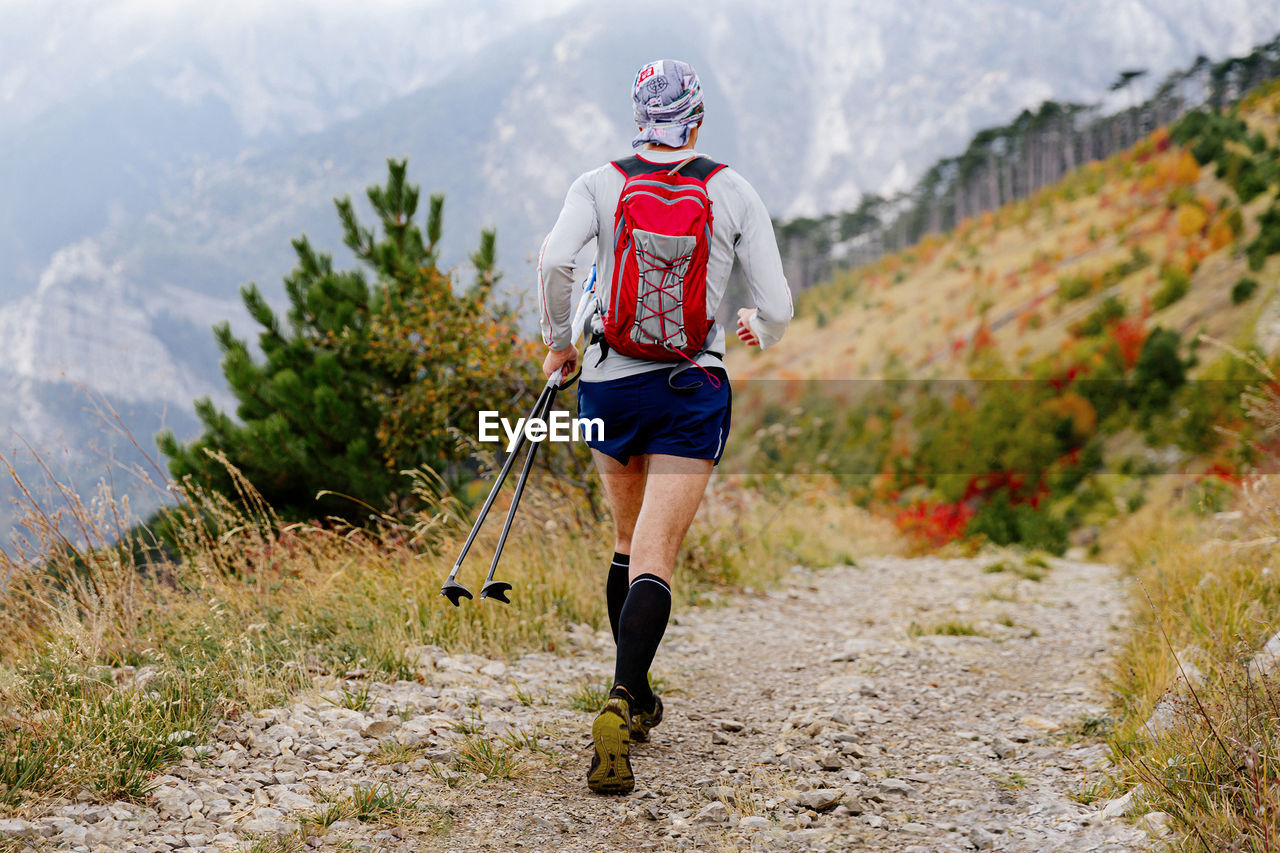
(624, 489)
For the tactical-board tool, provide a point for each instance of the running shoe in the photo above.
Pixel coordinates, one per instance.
(643, 721)
(610, 771)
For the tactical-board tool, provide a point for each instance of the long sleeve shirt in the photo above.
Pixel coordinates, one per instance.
(740, 227)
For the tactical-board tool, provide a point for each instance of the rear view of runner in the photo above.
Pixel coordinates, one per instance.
(667, 223)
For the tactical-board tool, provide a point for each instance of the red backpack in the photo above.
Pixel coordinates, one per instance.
(658, 297)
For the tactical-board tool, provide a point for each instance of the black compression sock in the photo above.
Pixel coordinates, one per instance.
(615, 589)
(640, 628)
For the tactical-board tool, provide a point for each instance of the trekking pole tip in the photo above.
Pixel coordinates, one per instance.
(496, 590)
(455, 592)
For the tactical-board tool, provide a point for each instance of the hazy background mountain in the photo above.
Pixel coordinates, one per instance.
(154, 156)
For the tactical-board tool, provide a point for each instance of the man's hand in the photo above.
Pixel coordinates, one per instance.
(745, 334)
(558, 358)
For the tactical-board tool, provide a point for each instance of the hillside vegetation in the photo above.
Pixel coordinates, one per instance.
(1023, 374)
(1017, 280)
(1034, 375)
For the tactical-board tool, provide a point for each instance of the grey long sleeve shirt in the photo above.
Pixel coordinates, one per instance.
(740, 226)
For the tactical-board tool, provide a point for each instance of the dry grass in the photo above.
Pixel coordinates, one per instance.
(1214, 599)
(108, 659)
(1209, 598)
(370, 803)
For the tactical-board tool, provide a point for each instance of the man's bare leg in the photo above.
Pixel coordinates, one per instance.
(624, 490)
(672, 494)
(624, 487)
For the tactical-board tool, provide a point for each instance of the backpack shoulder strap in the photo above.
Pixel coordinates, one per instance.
(632, 166)
(699, 168)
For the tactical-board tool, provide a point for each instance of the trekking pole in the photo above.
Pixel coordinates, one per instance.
(455, 591)
(498, 589)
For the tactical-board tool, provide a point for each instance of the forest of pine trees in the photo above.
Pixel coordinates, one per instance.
(1006, 163)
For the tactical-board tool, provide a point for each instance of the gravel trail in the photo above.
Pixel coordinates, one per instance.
(918, 704)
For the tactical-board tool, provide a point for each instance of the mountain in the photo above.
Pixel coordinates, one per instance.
(116, 108)
(1039, 368)
(156, 157)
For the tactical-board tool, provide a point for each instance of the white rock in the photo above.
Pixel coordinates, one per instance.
(712, 813)
(144, 676)
(820, 799)
(14, 828)
(1267, 661)
(1192, 662)
(286, 799)
(755, 822)
(280, 732)
(1164, 716)
(854, 649)
(380, 729)
(1122, 806)
(451, 664)
(981, 839)
(494, 669)
(1003, 747)
(1155, 823)
(73, 834)
(424, 657)
(896, 787)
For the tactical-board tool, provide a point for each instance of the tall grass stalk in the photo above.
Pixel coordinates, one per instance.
(113, 647)
(1211, 595)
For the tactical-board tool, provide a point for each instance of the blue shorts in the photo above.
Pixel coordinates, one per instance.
(643, 414)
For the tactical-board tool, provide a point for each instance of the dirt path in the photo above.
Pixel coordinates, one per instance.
(938, 742)
(828, 714)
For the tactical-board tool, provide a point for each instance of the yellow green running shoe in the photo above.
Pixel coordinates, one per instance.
(643, 721)
(610, 771)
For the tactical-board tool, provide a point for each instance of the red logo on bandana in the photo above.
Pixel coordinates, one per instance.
(646, 74)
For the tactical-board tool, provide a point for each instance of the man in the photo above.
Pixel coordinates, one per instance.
(663, 432)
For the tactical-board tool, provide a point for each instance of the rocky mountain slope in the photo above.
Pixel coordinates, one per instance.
(154, 160)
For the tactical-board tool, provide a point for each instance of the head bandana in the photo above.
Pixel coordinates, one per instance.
(667, 97)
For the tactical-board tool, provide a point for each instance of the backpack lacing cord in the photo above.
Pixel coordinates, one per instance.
(664, 287)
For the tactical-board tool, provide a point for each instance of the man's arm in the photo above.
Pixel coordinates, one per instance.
(757, 251)
(573, 229)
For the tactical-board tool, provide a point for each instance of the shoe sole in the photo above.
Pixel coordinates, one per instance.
(611, 735)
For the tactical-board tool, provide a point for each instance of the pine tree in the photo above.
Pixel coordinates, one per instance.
(336, 402)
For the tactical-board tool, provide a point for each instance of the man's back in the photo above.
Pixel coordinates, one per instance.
(741, 226)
